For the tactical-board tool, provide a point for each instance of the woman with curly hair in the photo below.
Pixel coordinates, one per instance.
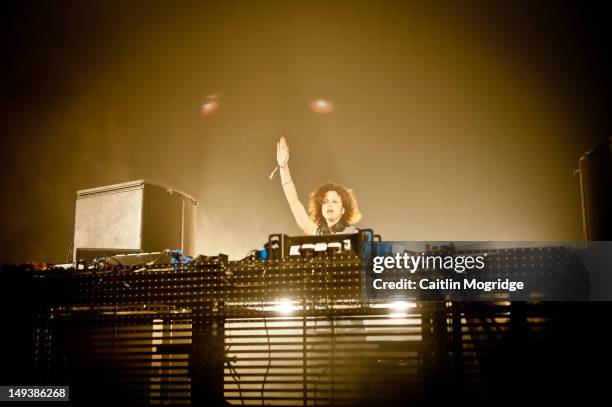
(332, 208)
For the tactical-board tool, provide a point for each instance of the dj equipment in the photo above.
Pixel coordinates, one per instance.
(281, 246)
(133, 217)
(140, 259)
(595, 170)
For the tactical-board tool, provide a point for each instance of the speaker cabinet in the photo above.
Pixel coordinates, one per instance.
(595, 168)
(136, 216)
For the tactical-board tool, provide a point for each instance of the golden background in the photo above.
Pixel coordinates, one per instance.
(450, 122)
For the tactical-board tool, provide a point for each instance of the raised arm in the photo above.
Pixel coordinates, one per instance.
(299, 213)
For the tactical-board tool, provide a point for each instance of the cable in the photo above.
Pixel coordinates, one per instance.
(68, 258)
(101, 263)
(333, 350)
(263, 384)
(248, 255)
(235, 375)
(332, 327)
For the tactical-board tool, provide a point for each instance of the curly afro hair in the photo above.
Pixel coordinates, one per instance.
(349, 203)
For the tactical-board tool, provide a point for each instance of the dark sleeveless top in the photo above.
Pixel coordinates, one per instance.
(338, 228)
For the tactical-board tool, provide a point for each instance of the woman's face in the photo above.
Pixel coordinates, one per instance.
(332, 208)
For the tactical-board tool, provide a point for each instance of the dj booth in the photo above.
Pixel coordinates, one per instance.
(288, 325)
(287, 331)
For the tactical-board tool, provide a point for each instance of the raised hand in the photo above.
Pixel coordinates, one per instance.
(282, 152)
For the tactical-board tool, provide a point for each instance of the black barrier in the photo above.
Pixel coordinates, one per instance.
(294, 331)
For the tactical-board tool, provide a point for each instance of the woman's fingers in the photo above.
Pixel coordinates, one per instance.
(282, 151)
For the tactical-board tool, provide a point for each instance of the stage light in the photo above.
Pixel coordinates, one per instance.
(210, 105)
(399, 309)
(285, 307)
(401, 305)
(321, 106)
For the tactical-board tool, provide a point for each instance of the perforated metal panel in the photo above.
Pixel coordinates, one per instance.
(292, 332)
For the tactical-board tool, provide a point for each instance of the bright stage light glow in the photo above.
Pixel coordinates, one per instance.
(321, 106)
(210, 105)
(399, 309)
(401, 305)
(285, 307)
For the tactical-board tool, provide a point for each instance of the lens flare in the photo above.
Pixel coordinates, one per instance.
(210, 105)
(321, 106)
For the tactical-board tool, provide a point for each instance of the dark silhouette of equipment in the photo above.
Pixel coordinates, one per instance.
(595, 170)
